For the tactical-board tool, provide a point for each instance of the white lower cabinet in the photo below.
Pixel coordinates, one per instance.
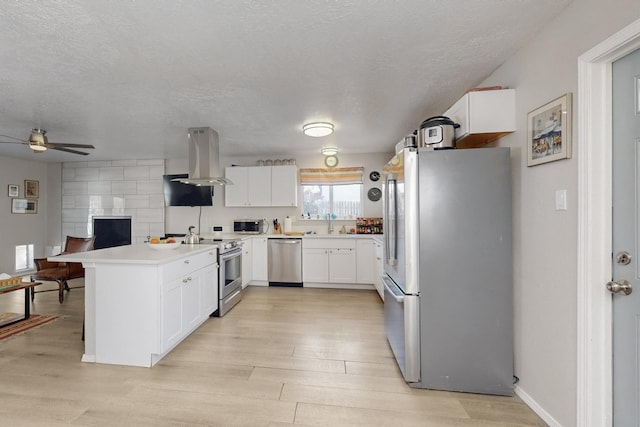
(247, 262)
(365, 261)
(171, 313)
(328, 261)
(189, 295)
(209, 288)
(259, 259)
(315, 265)
(379, 269)
(342, 265)
(191, 309)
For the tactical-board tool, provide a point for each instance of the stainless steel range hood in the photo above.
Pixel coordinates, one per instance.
(204, 159)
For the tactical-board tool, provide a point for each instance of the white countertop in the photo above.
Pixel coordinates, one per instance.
(306, 236)
(139, 253)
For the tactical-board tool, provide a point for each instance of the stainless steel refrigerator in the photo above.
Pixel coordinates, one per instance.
(448, 297)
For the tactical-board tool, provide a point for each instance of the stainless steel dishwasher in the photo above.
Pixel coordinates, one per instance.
(285, 262)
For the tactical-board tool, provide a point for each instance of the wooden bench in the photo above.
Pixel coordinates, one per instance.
(27, 303)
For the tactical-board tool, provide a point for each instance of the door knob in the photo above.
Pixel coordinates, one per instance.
(623, 258)
(617, 287)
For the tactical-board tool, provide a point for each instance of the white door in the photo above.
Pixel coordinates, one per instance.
(626, 240)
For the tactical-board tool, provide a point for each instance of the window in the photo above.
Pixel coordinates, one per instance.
(337, 191)
(24, 257)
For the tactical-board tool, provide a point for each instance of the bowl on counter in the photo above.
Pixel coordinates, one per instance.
(164, 246)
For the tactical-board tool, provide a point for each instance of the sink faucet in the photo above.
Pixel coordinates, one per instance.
(330, 229)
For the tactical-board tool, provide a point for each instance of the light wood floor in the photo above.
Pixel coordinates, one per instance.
(282, 357)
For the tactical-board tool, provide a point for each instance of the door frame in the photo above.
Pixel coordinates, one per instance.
(594, 154)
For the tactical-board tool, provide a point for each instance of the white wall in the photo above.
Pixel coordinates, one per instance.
(545, 267)
(178, 219)
(20, 229)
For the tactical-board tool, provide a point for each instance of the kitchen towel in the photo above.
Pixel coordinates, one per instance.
(287, 225)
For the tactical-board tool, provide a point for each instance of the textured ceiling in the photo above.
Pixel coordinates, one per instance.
(131, 77)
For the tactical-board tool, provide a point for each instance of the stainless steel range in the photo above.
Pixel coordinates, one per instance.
(229, 273)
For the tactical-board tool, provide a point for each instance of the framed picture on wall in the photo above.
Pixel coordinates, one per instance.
(549, 132)
(14, 190)
(31, 189)
(24, 206)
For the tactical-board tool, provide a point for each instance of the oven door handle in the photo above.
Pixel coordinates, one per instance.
(230, 254)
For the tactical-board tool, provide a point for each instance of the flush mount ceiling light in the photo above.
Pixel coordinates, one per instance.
(329, 151)
(318, 129)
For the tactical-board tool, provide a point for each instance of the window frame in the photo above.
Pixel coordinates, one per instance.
(28, 260)
(331, 201)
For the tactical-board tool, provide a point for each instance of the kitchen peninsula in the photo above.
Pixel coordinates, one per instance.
(140, 302)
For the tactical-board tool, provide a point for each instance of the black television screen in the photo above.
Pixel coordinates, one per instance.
(179, 194)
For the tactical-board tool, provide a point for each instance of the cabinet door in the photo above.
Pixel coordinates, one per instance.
(284, 186)
(379, 270)
(247, 261)
(171, 313)
(191, 300)
(365, 261)
(259, 186)
(483, 115)
(209, 283)
(259, 255)
(236, 194)
(315, 265)
(342, 266)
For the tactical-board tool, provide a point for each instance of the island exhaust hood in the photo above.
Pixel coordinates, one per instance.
(204, 159)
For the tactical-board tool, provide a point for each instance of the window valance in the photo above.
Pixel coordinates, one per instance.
(333, 176)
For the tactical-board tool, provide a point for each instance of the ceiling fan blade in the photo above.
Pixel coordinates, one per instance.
(12, 137)
(68, 150)
(62, 145)
(11, 142)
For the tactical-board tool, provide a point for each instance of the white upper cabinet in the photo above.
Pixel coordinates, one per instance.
(236, 194)
(483, 116)
(261, 186)
(284, 186)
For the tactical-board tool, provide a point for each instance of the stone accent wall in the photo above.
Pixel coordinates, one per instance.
(113, 188)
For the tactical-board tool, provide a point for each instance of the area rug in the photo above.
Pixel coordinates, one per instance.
(33, 322)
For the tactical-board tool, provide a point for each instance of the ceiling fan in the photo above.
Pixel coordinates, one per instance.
(39, 143)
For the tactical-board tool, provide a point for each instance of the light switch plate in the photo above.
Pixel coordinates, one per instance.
(561, 200)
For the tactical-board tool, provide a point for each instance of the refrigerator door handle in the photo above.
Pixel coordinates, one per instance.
(393, 290)
(391, 236)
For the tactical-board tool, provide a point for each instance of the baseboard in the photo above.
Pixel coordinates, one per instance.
(339, 286)
(546, 417)
(258, 283)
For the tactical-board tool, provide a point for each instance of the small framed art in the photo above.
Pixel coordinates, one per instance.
(549, 132)
(31, 189)
(14, 190)
(24, 206)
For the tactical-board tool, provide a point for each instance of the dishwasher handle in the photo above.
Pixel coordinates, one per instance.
(286, 241)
